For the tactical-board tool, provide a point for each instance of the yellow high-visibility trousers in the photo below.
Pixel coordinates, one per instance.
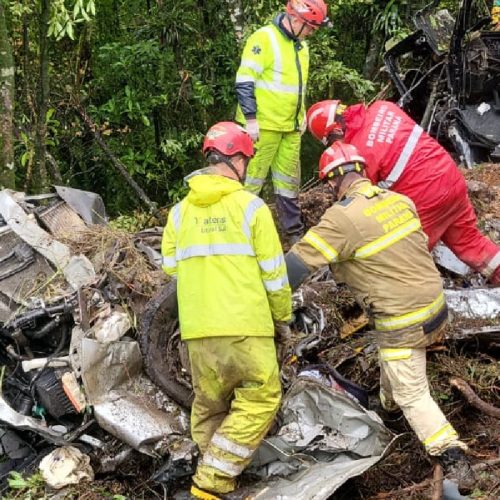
(403, 384)
(280, 152)
(237, 394)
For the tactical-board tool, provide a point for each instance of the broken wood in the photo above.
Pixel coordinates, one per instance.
(437, 487)
(118, 165)
(473, 399)
(403, 492)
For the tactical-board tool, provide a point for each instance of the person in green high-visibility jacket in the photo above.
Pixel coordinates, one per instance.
(270, 87)
(221, 243)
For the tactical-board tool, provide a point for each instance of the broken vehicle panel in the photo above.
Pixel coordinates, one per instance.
(451, 84)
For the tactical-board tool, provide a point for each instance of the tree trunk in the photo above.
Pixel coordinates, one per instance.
(372, 57)
(7, 172)
(39, 180)
(236, 15)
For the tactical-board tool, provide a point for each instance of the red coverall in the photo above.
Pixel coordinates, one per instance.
(401, 156)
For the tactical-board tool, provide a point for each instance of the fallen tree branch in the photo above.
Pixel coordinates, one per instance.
(430, 483)
(437, 487)
(486, 465)
(118, 165)
(403, 491)
(473, 399)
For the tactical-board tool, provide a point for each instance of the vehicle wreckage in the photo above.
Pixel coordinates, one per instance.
(92, 360)
(447, 75)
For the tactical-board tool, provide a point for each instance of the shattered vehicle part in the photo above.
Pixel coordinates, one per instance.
(451, 85)
(89, 206)
(325, 438)
(474, 303)
(65, 466)
(111, 375)
(22, 422)
(78, 270)
(447, 259)
(181, 463)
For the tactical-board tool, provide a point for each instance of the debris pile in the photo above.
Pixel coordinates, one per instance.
(92, 357)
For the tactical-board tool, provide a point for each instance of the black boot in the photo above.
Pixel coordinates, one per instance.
(457, 468)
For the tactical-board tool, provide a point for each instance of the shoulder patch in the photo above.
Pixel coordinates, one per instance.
(345, 202)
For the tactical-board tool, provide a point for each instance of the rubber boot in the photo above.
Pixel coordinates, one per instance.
(457, 468)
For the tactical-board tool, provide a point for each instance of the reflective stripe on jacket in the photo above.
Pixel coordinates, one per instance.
(400, 155)
(222, 244)
(271, 80)
(373, 241)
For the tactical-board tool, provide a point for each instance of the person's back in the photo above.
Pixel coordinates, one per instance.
(402, 157)
(393, 143)
(222, 245)
(380, 251)
(214, 220)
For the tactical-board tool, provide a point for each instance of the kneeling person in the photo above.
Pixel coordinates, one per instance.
(373, 241)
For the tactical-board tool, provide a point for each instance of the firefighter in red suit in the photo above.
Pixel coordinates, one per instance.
(402, 157)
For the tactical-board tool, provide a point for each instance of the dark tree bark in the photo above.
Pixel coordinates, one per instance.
(39, 180)
(7, 172)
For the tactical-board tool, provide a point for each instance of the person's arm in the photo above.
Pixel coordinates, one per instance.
(253, 62)
(168, 242)
(325, 244)
(271, 261)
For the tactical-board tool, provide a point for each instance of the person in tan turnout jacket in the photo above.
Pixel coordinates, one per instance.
(373, 241)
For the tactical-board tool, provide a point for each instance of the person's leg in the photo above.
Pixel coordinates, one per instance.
(468, 243)
(212, 395)
(258, 168)
(406, 372)
(285, 170)
(386, 398)
(251, 366)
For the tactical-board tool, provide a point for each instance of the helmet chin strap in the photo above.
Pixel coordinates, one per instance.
(229, 163)
(296, 35)
(220, 158)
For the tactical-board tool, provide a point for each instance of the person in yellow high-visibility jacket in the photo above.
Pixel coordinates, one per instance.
(222, 245)
(270, 87)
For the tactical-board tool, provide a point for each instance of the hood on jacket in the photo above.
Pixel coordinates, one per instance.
(354, 117)
(207, 189)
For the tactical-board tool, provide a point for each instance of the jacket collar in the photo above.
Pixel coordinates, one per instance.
(278, 22)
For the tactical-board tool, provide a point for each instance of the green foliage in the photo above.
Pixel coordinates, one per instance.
(154, 76)
(64, 18)
(30, 488)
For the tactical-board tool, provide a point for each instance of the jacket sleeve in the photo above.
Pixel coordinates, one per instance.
(253, 62)
(271, 261)
(168, 244)
(325, 244)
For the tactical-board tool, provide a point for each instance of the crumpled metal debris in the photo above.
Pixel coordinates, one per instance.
(65, 466)
(111, 373)
(447, 259)
(325, 439)
(474, 303)
(77, 269)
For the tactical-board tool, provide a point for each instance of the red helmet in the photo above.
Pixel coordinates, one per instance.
(335, 156)
(311, 12)
(323, 119)
(229, 139)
